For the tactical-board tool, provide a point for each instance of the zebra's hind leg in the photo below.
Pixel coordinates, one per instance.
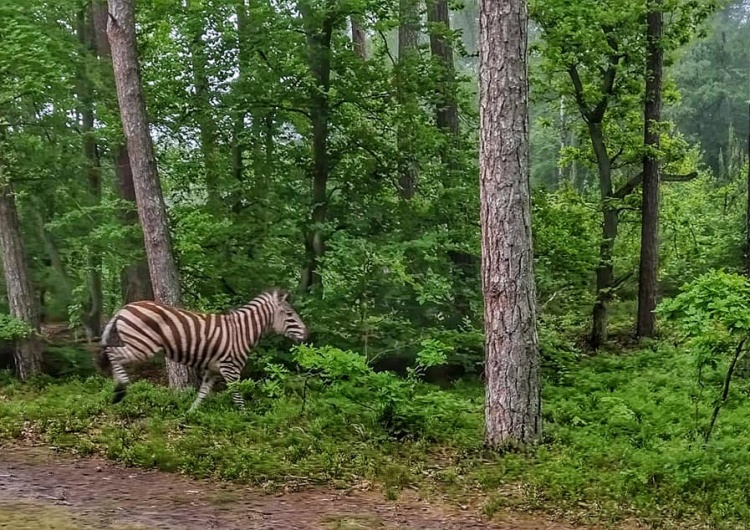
(119, 357)
(209, 379)
(231, 374)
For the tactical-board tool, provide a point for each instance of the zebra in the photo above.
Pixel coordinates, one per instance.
(218, 343)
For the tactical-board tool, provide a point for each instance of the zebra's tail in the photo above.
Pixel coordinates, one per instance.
(109, 337)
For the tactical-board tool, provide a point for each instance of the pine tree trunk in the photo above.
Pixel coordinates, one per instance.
(408, 56)
(649, 264)
(151, 209)
(21, 298)
(513, 394)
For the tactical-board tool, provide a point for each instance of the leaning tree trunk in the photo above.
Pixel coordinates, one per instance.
(21, 299)
(649, 265)
(151, 209)
(513, 394)
(134, 277)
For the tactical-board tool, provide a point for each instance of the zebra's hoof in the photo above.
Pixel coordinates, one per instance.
(120, 392)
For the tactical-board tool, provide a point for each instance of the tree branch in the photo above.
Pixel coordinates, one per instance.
(630, 186)
(578, 93)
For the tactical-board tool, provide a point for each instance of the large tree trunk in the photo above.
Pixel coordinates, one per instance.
(93, 308)
(319, 59)
(408, 56)
(134, 278)
(513, 395)
(151, 209)
(649, 265)
(21, 299)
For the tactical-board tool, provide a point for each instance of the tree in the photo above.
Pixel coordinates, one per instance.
(134, 277)
(21, 299)
(151, 209)
(408, 56)
(649, 263)
(513, 394)
(359, 37)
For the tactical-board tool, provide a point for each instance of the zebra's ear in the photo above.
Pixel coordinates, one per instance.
(283, 295)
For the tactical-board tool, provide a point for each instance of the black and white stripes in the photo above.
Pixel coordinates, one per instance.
(216, 343)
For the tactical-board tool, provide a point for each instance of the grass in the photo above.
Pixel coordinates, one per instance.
(622, 438)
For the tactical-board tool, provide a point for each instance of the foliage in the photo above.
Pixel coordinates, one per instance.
(633, 419)
(13, 329)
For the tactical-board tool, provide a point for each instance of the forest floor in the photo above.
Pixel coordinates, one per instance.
(40, 489)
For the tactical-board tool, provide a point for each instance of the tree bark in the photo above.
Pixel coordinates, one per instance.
(319, 59)
(649, 264)
(134, 278)
(151, 209)
(21, 298)
(408, 55)
(513, 393)
(359, 37)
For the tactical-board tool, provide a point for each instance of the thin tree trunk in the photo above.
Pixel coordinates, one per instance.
(438, 16)
(649, 265)
(134, 278)
(319, 58)
(204, 115)
(513, 394)
(93, 308)
(747, 212)
(359, 37)
(151, 209)
(408, 55)
(605, 272)
(22, 301)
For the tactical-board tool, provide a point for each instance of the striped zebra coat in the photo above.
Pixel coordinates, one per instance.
(217, 343)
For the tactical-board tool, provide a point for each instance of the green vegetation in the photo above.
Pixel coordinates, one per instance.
(282, 149)
(623, 435)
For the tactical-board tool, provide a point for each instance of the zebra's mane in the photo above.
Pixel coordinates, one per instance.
(271, 294)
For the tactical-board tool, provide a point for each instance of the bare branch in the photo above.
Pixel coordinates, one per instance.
(630, 186)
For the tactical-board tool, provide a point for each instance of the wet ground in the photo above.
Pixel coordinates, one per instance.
(42, 490)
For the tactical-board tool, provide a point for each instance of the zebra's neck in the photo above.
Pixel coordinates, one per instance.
(253, 320)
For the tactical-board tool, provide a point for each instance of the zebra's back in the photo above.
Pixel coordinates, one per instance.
(186, 337)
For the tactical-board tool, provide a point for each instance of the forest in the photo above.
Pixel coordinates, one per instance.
(201, 152)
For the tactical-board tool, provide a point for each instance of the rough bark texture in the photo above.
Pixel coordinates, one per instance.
(513, 394)
(319, 59)
(408, 56)
(21, 298)
(151, 209)
(649, 264)
(359, 38)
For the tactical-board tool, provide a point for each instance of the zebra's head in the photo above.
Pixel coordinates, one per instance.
(286, 321)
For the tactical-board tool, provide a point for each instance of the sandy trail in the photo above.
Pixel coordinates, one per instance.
(40, 489)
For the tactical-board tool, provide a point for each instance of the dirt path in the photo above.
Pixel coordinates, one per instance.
(39, 489)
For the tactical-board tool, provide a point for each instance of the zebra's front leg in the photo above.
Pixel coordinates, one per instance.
(209, 379)
(231, 374)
